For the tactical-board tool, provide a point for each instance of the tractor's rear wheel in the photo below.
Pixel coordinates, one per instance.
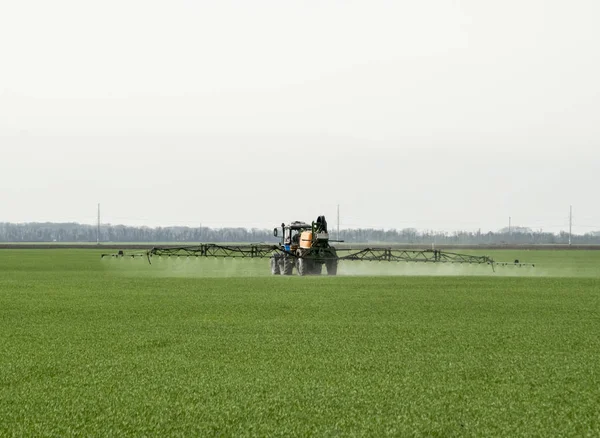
(288, 265)
(317, 269)
(275, 269)
(332, 266)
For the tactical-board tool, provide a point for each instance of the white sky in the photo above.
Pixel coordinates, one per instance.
(433, 114)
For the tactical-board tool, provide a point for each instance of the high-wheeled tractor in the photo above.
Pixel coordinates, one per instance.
(306, 248)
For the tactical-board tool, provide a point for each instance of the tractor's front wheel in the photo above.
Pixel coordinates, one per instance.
(332, 266)
(288, 265)
(275, 269)
(304, 266)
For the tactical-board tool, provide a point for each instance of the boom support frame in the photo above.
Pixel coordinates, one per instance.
(350, 254)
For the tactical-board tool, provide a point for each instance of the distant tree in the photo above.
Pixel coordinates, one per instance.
(73, 232)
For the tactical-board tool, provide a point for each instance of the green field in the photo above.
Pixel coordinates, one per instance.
(219, 347)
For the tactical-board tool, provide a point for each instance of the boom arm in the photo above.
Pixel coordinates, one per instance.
(361, 254)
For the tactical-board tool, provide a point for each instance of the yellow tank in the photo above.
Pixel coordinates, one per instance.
(306, 239)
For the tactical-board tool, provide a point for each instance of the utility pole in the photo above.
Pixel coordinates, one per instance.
(570, 223)
(338, 222)
(509, 225)
(98, 228)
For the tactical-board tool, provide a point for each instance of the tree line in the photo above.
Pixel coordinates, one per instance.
(74, 232)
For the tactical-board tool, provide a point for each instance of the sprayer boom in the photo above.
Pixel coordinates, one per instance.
(306, 248)
(349, 254)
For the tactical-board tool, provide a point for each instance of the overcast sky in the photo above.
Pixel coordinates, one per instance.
(431, 114)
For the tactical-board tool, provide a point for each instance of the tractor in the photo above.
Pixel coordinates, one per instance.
(304, 247)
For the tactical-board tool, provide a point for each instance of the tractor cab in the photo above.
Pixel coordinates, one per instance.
(291, 234)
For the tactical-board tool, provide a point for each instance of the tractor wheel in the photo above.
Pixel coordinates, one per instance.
(317, 269)
(332, 266)
(304, 266)
(275, 269)
(288, 265)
